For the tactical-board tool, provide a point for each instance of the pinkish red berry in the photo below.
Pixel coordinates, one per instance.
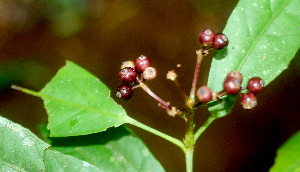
(221, 41)
(232, 86)
(207, 37)
(255, 85)
(128, 75)
(204, 94)
(235, 74)
(141, 63)
(248, 100)
(124, 91)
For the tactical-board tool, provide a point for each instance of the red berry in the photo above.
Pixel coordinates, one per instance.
(124, 91)
(141, 63)
(221, 41)
(235, 74)
(149, 73)
(248, 100)
(204, 94)
(207, 37)
(232, 86)
(128, 75)
(255, 85)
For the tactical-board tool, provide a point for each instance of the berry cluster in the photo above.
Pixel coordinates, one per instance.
(134, 73)
(232, 86)
(208, 38)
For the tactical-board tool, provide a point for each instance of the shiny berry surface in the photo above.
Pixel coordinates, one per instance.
(235, 74)
(204, 94)
(149, 73)
(124, 91)
(221, 41)
(232, 86)
(128, 75)
(207, 37)
(141, 63)
(248, 100)
(255, 85)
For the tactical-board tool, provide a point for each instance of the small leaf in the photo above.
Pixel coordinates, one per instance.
(111, 150)
(264, 37)
(288, 156)
(78, 103)
(21, 150)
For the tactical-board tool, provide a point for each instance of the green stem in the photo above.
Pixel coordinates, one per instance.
(203, 127)
(158, 133)
(189, 140)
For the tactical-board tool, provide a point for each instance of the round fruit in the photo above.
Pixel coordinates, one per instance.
(207, 37)
(149, 73)
(235, 74)
(221, 41)
(141, 63)
(232, 86)
(204, 94)
(255, 85)
(124, 91)
(128, 75)
(127, 64)
(248, 100)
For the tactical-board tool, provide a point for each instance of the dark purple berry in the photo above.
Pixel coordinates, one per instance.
(204, 94)
(149, 73)
(232, 86)
(235, 74)
(248, 100)
(207, 37)
(221, 41)
(128, 75)
(124, 91)
(255, 85)
(141, 63)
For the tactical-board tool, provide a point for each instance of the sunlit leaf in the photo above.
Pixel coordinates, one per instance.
(264, 36)
(78, 103)
(288, 156)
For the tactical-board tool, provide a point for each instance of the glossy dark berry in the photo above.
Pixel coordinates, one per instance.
(255, 85)
(204, 94)
(207, 37)
(127, 64)
(221, 41)
(235, 74)
(141, 63)
(128, 75)
(149, 73)
(124, 91)
(248, 100)
(232, 86)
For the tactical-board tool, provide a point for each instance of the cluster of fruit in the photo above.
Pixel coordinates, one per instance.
(132, 73)
(232, 86)
(208, 38)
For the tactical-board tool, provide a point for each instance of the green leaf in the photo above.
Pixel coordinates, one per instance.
(21, 150)
(78, 103)
(263, 36)
(111, 150)
(288, 156)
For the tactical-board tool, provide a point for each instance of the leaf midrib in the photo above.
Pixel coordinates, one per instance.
(260, 35)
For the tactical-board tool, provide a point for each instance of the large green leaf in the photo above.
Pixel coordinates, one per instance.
(288, 156)
(21, 150)
(78, 103)
(111, 150)
(263, 37)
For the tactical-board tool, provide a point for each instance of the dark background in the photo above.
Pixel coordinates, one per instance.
(37, 37)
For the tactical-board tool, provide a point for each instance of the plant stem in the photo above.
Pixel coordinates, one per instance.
(158, 133)
(203, 127)
(189, 140)
(200, 55)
